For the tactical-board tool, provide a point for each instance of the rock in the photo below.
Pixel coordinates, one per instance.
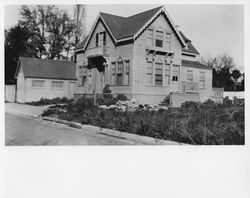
(103, 106)
(113, 107)
(163, 107)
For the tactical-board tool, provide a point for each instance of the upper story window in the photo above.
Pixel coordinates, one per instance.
(97, 39)
(159, 38)
(102, 38)
(38, 83)
(168, 40)
(190, 76)
(150, 38)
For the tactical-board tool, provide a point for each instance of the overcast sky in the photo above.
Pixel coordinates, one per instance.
(213, 29)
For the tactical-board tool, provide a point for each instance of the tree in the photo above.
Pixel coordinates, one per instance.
(52, 30)
(79, 17)
(236, 75)
(16, 44)
(222, 66)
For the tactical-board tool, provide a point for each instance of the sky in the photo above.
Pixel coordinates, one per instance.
(213, 29)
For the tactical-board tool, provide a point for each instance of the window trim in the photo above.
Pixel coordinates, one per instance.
(188, 75)
(43, 82)
(57, 81)
(158, 75)
(202, 80)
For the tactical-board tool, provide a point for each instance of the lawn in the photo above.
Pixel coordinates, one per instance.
(198, 124)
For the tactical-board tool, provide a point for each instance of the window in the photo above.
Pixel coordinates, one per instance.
(83, 80)
(202, 80)
(104, 38)
(168, 40)
(167, 74)
(158, 74)
(189, 75)
(159, 38)
(119, 74)
(57, 84)
(113, 73)
(150, 39)
(97, 40)
(127, 71)
(149, 78)
(38, 83)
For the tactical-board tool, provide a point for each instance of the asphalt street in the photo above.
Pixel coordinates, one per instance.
(27, 131)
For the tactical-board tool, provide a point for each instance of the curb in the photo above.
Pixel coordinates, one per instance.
(114, 133)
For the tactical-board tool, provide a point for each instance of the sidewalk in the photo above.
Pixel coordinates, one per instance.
(24, 110)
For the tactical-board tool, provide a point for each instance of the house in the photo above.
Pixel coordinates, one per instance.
(42, 78)
(144, 56)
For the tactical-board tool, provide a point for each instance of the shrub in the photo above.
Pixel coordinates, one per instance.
(121, 97)
(188, 124)
(208, 104)
(190, 105)
(46, 101)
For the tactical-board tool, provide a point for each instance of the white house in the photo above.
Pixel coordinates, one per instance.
(42, 78)
(144, 56)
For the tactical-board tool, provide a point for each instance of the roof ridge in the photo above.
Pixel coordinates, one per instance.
(145, 11)
(44, 59)
(113, 15)
(132, 15)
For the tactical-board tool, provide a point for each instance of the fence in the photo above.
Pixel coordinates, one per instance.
(10, 93)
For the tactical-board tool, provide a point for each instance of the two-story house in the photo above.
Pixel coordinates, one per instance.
(143, 56)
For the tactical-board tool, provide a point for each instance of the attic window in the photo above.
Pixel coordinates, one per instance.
(159, 38)
(96, 39)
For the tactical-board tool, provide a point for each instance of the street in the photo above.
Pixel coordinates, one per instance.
(26, 131)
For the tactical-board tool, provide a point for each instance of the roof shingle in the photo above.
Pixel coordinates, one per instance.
(195, 64)
(49, 69)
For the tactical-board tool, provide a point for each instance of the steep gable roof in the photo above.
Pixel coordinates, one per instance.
(49, 69)
(125, 28)
(190, 47)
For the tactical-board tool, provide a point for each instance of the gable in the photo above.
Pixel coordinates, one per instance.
(129, 28)
(99, 26)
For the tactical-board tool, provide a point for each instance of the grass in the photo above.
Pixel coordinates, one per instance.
(198, 124)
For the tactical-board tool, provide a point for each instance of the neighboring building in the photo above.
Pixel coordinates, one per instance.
(42, 78)
(143, 56)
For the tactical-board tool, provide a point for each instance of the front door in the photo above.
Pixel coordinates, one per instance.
(175, 78)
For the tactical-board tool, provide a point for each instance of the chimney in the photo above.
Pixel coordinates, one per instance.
(178, 27)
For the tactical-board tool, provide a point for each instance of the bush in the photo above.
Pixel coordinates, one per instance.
(188, 124)
(190, 105)
(121, 97)
(208, 104)
(46, 101)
